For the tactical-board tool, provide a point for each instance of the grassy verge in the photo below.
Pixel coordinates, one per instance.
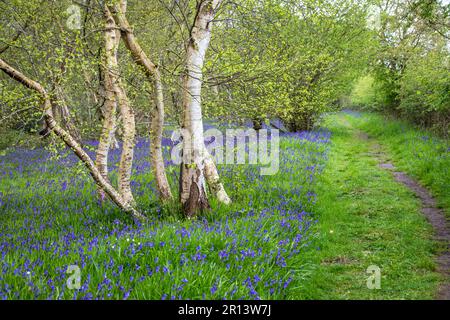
(366, 218)
(417, 152)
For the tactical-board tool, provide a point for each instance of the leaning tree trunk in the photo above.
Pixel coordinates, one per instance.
(128, 121)
(110, 104)
(193, 194)
(70, 141)
(157, 116)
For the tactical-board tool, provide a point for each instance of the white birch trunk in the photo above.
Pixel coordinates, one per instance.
(129, 135)
(110, 104)
(127, 113)
(193, 194)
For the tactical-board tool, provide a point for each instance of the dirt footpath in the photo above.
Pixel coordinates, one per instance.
(434, 215)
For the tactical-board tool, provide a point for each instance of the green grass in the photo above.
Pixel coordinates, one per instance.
(366, 218)
(363, 218)
(417, 152)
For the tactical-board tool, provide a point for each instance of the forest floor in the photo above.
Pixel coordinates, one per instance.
(357, 211)
(374, 217)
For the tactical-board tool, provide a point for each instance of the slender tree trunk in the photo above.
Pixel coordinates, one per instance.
(105, 142)
(157, 116)
(114, 142)
(109, 114)
(129, 135)
(127, 113)
(110, 104)
(99, 98)
(193, 194)
(70, 141)
(156, 132)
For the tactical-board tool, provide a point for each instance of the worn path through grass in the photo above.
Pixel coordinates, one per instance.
(368, 220)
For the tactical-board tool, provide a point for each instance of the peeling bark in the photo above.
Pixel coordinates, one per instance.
(129, 134)
(151, 71)
(99, 97)
(110, 103)
(197, 194)
(70, 141)
(127, 113)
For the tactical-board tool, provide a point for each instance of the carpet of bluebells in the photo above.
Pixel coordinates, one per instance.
(51, 218)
